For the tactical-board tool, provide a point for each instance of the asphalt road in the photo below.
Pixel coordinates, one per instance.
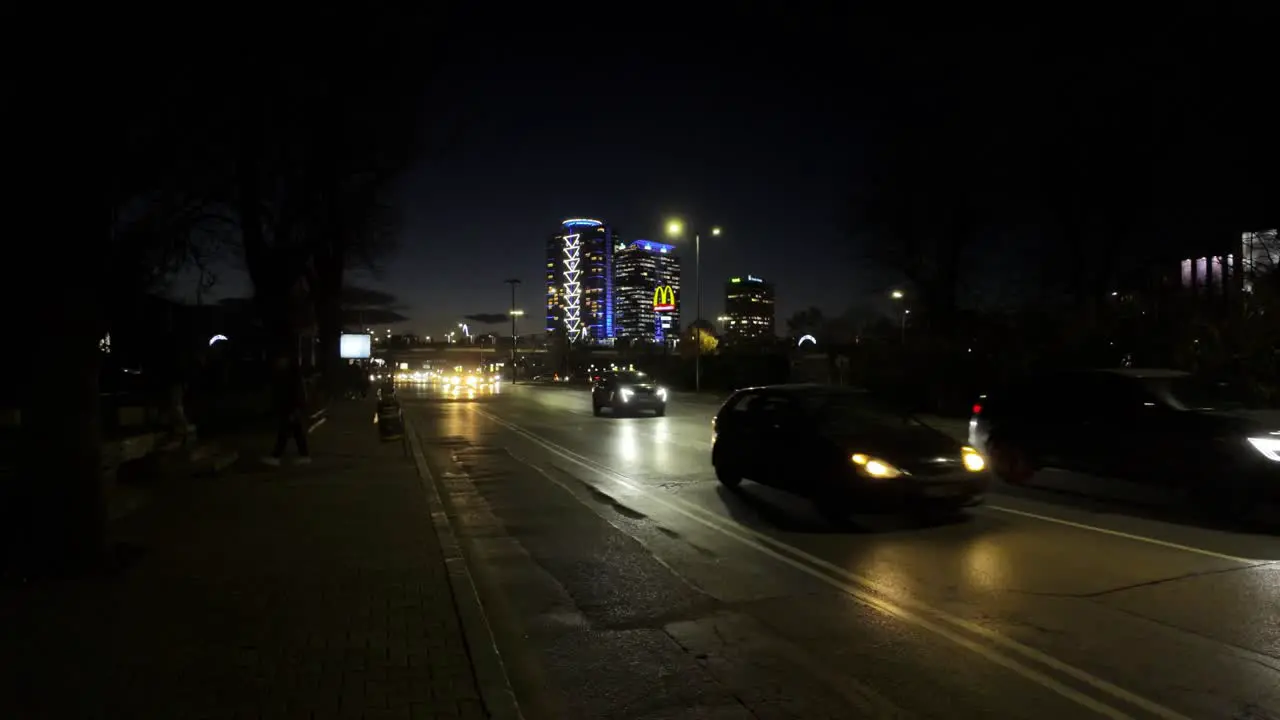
(622, 581)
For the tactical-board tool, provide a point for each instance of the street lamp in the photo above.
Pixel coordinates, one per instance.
(513, 282)
(675, 228)
(899, 295)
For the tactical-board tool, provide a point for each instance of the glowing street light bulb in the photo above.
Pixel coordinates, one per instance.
(715, 231)
(675, 227)
(897, 295)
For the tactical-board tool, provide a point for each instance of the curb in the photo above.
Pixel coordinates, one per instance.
(491, 675)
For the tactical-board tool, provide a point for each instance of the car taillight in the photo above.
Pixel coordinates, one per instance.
(977, 408)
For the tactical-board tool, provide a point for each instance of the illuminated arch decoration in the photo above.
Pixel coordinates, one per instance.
(572, 296)
(810, 338)
(664, 298)
(216, 339)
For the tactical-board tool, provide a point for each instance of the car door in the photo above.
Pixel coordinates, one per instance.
(1130, 432)
(1061, 421)
(735, 435)
(772, 416)
(800, 456)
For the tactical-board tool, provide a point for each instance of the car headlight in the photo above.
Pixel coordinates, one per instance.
(662, 393)
(1268, 446)
(873, 467)
(625, 394)
(973, 462)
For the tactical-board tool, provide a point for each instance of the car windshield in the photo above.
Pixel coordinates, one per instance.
(631, 377)
(850, 411)
(1198, 393)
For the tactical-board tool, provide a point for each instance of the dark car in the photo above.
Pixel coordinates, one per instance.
(627, 391)
(1208, 439)
(848, 450)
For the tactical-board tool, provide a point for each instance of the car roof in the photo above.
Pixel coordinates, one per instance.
(1146, 373)
(801, 388)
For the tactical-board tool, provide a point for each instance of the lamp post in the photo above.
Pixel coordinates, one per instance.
(675, 229)
(513, 282)
(899, 295)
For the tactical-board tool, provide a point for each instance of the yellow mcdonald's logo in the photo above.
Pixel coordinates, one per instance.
(664, 298)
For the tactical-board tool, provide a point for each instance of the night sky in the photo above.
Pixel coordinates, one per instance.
(762, 138)
(631, 143)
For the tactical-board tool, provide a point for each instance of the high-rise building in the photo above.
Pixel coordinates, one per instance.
(646, 279)
(748, 305)
(580, 281)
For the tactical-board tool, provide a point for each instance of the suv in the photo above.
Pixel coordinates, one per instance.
(1156, 426)
(627, 392)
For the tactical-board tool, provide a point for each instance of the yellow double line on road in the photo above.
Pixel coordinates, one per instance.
(872, 595)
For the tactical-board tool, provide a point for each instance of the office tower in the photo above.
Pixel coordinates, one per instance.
(647, 291)
(580, 294)
(748, 305)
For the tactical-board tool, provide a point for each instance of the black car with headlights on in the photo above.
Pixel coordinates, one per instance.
(627, 391)
(848, 450)
(1212, 441)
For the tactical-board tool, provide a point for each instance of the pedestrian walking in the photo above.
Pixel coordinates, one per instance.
(291, 401)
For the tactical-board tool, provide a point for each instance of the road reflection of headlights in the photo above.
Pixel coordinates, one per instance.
(1268, 446)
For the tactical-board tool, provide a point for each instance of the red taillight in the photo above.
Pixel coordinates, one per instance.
(977, 408)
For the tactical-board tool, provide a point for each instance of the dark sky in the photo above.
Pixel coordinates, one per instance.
(631, 141)
(766, 131)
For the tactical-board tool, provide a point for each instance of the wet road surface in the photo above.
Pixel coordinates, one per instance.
(623, 581)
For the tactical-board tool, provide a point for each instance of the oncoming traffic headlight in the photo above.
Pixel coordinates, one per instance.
(973, 462)
(874, 467)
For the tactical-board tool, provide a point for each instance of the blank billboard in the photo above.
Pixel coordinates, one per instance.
(355, 347)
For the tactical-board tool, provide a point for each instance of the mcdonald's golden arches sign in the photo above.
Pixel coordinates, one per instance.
(664, 298)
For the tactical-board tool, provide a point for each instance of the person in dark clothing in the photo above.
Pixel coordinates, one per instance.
(290, 401)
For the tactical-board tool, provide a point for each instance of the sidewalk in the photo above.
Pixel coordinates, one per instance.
(294, 592)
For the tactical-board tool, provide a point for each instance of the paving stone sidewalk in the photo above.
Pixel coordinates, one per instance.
(295, 592)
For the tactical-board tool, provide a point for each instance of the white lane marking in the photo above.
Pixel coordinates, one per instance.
(1125, 535)
(1105, 531)
(860, 588)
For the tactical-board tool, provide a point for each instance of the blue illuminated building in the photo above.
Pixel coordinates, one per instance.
(642, 269)
(580, 292)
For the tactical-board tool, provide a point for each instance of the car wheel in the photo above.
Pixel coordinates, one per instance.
(727, 477)
(596, 409)
(660, 411)
(1011, 464)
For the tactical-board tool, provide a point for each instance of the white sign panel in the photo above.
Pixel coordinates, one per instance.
(355, 347)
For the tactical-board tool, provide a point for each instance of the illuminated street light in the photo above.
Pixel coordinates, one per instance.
(898, 295)
(675, 228)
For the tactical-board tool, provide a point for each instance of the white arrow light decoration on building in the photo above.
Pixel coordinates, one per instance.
(572, 292)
